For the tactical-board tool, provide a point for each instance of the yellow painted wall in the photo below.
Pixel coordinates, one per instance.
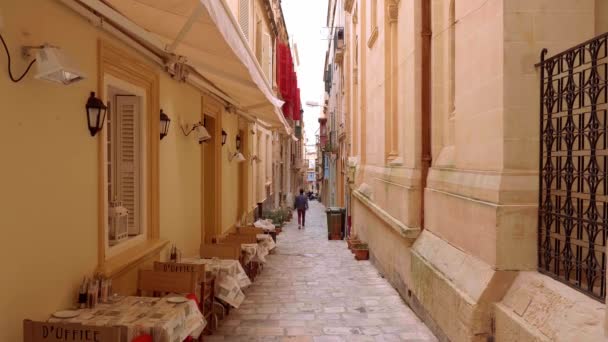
(180, 168)
(48, 177)
(230, 174)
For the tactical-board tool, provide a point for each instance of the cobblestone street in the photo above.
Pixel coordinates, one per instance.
(312, 289)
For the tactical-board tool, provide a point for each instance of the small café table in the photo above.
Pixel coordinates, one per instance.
(231, 278)
(266, 241)
(165, 321)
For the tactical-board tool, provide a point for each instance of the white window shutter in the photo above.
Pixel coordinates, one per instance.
(267, 61)
(129, 158)
(244, 17)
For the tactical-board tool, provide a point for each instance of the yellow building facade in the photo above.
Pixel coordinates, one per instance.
(441, 102)
(57, 179)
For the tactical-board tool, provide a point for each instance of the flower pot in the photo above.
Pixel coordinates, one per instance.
(361, 254)
(352, 242)
(361, 251)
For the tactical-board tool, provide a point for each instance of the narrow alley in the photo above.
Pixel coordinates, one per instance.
(312, 289)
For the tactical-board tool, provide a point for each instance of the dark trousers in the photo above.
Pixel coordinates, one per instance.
(302, 217)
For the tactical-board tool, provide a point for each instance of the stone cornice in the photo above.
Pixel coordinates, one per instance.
(403, 230)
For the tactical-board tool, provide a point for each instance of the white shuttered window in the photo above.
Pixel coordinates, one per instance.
(244, 17)
(126, 158)
(267, 56)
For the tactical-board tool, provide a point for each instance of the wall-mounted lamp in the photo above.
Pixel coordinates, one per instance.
(224, 136)
(202, 134)
(96, 114)
(237, 156)
(164, 124)
(238, 142)
(53, 65)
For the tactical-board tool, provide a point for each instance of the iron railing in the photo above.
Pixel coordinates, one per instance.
(573, 196)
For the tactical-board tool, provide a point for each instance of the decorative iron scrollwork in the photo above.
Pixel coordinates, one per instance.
(573, 196)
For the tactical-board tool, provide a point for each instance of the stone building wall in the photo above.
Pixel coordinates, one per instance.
(467, 270)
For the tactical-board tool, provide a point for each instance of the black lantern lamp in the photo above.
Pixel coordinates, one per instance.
(164, 124)
(224, 136)
(238, 142)
(96, 114)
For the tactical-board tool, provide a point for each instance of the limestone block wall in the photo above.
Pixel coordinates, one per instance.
(389, 251)
(537, 308)
(480, 200)
(452, 290)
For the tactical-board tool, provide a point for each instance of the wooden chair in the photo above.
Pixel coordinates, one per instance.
(158, 283)
(222, 251)
(252, 268)
(240, 238)
(206, 282)
(60, 332)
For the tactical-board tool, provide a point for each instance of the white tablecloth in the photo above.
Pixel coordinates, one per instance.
(266, 241)
(265, 224)
(165, 321)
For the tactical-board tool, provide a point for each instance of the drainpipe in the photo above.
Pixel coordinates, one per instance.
(426, 34)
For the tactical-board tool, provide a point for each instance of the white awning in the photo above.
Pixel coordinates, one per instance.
(206, 33)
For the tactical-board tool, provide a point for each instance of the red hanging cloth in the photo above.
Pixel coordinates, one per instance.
(298, 105)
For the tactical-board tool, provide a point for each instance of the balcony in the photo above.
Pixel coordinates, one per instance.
(339, 45)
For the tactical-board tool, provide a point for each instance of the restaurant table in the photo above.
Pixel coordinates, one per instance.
(266, 241)
(166, 322)
(266, 225)
(230, 281)
(255, 252)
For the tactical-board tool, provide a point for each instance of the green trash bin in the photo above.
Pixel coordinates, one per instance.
(335, 223)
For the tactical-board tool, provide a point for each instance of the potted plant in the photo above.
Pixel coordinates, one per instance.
(352, 240)
(361, 251)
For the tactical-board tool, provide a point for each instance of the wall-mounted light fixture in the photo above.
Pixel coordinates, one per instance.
(224, 136)
(53, 65)
(238, 142)
(96, 114)
(202, 134)
(164, 124)
(237, 156)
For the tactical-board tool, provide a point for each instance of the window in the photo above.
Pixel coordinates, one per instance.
(259, 53)
(125, 74)
(452, 52)
(124, 161)
(267, 56)
(244, 17)
(373, 21)
(374, 15)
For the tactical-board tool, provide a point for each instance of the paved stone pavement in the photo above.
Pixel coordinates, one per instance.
(313, 290)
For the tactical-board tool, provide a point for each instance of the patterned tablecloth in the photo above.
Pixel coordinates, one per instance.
(165, 321)
(231, 279)
(266, 225)
(266, 241)
(254, 252)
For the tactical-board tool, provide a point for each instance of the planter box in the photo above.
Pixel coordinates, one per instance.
(352, 242)
(361, 251)
(361, 254)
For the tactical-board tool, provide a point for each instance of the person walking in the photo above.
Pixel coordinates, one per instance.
(301, 205)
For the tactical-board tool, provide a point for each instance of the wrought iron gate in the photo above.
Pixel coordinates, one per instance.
(573, 196)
